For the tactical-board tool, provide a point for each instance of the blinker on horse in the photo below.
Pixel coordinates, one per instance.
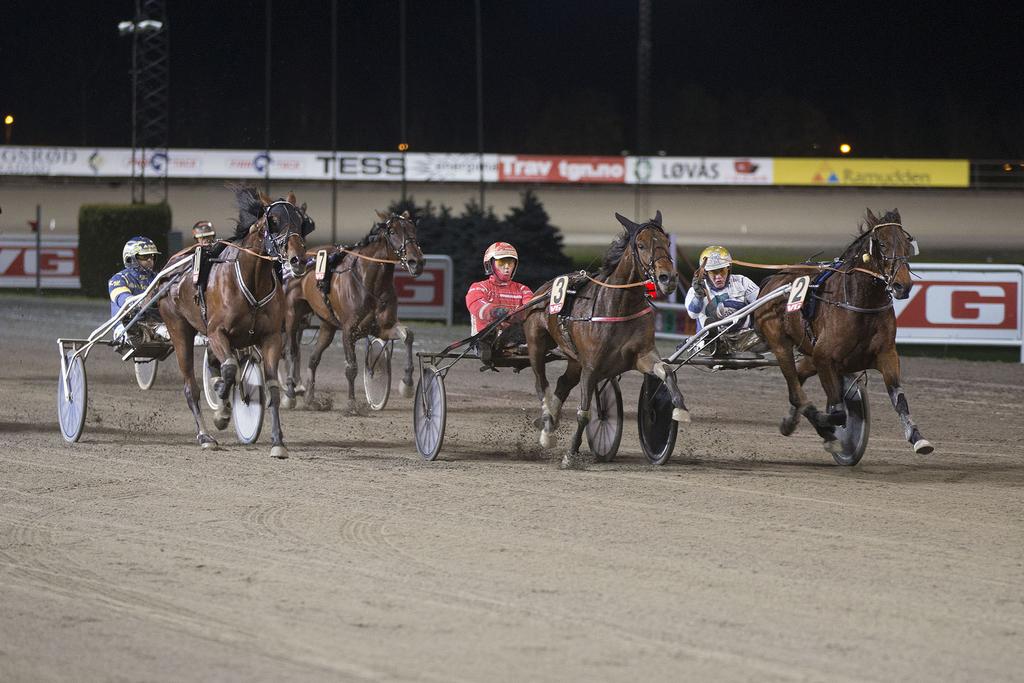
(853, 329)
(244, 304)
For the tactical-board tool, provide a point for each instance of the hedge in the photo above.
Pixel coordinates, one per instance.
(102, 231)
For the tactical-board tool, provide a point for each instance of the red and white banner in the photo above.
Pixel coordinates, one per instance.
(57, 262)
(963, 304)
(429, 296)
(524, 168)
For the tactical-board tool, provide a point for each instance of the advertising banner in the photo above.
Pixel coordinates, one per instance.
(450, 168)
(57, 262)
(699, 170)
(873, 172)
(963, 304)
(429, 296)
(524, 168)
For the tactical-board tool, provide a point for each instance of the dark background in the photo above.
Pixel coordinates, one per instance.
(892, 78)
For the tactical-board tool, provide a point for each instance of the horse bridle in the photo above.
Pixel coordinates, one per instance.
(400, 251)
(891, 263)
(648, 268)
(276, 245)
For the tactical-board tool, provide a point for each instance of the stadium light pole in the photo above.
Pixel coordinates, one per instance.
(403, 144)
(480, 101)
(334, 121)
(134, 28)
(8, 128)
(266, 98)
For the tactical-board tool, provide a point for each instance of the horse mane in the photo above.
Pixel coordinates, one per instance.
(865, 227)
(614, 254)
(250, 209)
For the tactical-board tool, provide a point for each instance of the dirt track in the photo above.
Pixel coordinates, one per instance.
(133, 556)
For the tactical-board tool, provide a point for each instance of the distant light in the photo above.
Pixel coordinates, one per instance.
(1007, 167)
(403, 146)
(150, 25)
(9, 120)
(845, 148)
(144, 26)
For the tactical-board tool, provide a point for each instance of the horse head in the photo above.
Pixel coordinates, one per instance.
(649, 249)
(400, 232)
(285, 228)
(888, 248)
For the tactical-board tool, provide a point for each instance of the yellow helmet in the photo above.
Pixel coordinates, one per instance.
(716, 258)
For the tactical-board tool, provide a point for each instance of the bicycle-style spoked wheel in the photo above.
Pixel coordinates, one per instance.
(247, 400)
(429, 413)
(604, 430)
(212, 399)
(654, 421)
(71, 406)
(377, 372)
(853, 437)
(145, 373)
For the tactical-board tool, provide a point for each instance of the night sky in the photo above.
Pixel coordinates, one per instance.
(892, 78)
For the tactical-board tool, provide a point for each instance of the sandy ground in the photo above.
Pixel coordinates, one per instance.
(134, 556)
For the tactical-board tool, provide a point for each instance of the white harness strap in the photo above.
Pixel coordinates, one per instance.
(248, 295)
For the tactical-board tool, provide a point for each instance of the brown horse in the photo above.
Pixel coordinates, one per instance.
(361, 301)
(609, 329)
(853, 329)
(245, 304)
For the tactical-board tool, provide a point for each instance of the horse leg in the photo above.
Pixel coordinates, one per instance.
(228, 371)
(651, 364)
(572, 459)
(888, 363)
(546, 423)
(804, 369)
(405, 335)
(835, 415)
(348, 343)
(292, 339)
(323, 339)
(271, 350)
(566, 383)
(185, 352)
(797, 396)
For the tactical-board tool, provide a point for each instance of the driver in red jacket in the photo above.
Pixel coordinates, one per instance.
(492, 298)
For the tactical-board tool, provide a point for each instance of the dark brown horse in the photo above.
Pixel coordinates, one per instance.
(853, 329)
(245, 304)
(361, 301)
(609, 329)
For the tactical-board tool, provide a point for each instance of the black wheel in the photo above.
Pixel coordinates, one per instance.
(377, 372)
(145, 373)
(247, 400)
(212, 399)
(654, 421)
(604, 431)
(853, 438)
(429, 413)
(71, 405)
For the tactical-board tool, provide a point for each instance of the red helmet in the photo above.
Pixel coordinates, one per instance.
(499, 250)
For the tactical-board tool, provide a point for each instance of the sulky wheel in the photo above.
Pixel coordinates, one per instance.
(145, 373)
(212, 399)
(429, 413)
(377, 372)
(604, 431)
(853, 437)
(247, 400)
(654, 421)
(71, 404)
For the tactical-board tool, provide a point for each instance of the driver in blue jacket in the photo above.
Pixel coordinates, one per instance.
(139, 256)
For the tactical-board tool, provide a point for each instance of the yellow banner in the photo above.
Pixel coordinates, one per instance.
(873, 172)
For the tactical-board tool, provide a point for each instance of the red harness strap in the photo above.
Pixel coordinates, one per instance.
(618, 318)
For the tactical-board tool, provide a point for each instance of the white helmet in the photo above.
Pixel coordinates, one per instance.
(136, 247)
(500, 250)
(715, 258)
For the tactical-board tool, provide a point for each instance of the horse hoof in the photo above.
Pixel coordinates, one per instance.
(279, 452)
(834, 447)
(208, 443)
(300, 390)
(787, 427)
(573, 461)
(221, 423)
(287, 401)
(923, 447)
(405, 389)
(547, 439)
(680, 414)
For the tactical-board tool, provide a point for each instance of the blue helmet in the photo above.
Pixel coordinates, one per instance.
(137, 246)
